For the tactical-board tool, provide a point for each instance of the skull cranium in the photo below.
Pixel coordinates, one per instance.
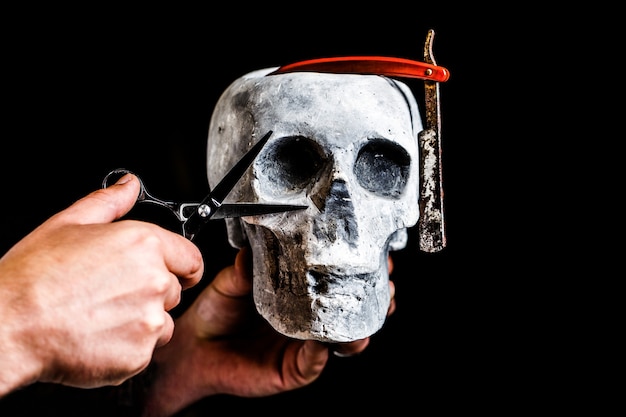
(345, 146)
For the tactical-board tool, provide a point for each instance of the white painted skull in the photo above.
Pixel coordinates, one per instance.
(345, 146)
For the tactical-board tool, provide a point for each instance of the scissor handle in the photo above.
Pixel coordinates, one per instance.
(113, 176)
(179, 209)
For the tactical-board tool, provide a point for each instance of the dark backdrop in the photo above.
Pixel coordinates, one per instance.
(87, 94)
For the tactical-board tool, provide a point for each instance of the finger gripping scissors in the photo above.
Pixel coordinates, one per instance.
(193, 216)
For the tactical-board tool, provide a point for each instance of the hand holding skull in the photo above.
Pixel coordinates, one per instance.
(221, 345)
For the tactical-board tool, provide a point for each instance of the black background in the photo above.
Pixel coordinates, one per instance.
(86, 92)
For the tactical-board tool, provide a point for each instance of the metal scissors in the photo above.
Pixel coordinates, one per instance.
(193, 216)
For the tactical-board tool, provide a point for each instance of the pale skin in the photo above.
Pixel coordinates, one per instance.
(85, 300)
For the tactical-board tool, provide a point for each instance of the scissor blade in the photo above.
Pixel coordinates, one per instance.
(208, 208)
(252, 209)
(227, 183)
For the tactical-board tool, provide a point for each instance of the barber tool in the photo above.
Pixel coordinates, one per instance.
(193, 216)
(431, 226)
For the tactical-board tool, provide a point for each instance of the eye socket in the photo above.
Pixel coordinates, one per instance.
(382, 167)
(290, 163)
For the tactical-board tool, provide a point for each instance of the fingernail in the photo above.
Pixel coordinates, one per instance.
(124, 179)
(343, 355)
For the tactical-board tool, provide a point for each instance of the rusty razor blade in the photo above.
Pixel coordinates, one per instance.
(431, 225)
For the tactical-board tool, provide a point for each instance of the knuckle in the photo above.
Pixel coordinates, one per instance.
(153, 322)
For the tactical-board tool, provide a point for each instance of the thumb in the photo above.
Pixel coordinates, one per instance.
(106, 204)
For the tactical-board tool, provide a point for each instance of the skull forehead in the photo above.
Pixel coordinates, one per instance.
(334, 109)
(339, 111)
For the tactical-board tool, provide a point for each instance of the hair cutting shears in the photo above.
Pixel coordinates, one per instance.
(193, 216)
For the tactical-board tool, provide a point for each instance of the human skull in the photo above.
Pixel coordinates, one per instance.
(345, 146)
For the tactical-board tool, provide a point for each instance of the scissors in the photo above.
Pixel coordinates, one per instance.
(193, 216)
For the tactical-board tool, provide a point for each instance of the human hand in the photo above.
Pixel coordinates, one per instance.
(85, 299)
(221, 345)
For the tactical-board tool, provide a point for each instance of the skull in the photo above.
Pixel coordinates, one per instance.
(345, 146)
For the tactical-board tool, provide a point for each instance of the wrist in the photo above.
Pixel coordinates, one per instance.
(19, 365)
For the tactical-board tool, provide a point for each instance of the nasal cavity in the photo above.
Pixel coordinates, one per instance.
(338, 202)
(337, 222)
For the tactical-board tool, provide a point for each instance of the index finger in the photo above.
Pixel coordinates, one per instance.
(182, 257)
